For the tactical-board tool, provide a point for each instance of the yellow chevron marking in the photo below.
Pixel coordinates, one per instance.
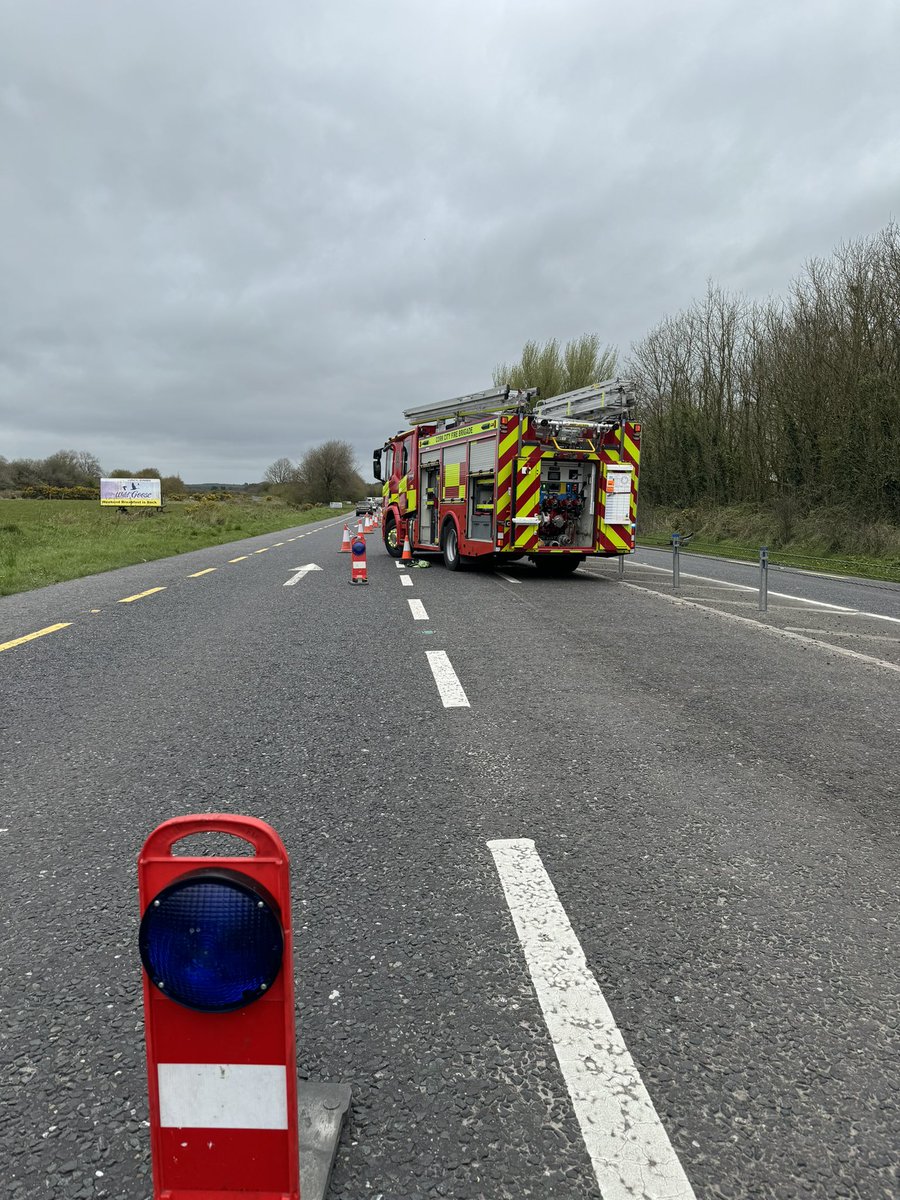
(509, 441)
(616, 539)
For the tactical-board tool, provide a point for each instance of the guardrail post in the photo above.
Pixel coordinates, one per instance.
(676, 563)
(763, 578)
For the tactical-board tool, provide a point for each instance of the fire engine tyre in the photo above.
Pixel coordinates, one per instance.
(450, 546)
(391, 540)
(558, 564)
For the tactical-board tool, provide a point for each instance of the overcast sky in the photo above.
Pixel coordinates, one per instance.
(232, 230)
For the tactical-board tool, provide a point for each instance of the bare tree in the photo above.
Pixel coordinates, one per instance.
(328, 472)
(281, 471)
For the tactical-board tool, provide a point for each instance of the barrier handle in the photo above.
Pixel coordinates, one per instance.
(262, 837)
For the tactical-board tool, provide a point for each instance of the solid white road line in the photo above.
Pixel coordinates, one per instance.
(508, 578)
(629, 1149)
(770, 629)
(445, 677)
(746, 587)
(417, 608)
(845, 633)
(406, 580)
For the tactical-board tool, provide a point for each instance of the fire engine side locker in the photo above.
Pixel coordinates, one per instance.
(480, 502)
(429, 491)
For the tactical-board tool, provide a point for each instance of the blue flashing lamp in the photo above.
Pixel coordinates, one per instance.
(212, 941)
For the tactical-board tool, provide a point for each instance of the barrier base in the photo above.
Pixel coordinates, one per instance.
(322, 1109)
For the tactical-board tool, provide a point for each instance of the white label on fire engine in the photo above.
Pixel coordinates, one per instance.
(617, 496)
(222, 1096)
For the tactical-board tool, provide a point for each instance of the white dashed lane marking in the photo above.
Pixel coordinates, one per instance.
(629, 1149)
(445, 677)
(406, 580)
(417, 608)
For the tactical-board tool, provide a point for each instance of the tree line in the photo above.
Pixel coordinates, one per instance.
(797, 397)
(68, 469)
(759, 402)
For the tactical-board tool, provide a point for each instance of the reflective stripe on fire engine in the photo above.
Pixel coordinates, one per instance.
(528, 498)
(453, 435)
(612, 542)
(452, 488)
(506, 461)
(632, 450)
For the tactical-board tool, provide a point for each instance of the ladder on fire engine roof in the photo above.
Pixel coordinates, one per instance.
(475, 404)
(606, 402)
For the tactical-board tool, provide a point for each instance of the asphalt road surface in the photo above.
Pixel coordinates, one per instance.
(594, 885)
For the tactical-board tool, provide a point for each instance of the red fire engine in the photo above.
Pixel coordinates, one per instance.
(504, 475)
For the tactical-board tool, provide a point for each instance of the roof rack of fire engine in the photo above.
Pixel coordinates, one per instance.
(606, 402)
(473, 405)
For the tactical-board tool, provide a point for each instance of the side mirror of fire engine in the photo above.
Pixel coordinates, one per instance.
(376, 464)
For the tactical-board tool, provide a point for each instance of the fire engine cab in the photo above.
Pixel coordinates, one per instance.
(504, 475)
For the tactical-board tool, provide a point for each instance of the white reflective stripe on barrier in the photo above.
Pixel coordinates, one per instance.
(222, 1096)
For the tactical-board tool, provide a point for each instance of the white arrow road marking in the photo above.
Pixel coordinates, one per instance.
(301, 571)
(628, 1146)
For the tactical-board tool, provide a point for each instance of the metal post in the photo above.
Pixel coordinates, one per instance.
(621, 566)
(763, 578)
(676, 564)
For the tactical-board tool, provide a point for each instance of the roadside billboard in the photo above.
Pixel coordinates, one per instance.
(131, 493)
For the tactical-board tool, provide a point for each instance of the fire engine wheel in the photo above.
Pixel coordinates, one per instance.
(558, 564)
(450, 546)
(391, 539)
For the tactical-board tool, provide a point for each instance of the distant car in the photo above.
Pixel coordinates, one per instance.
(365, 506)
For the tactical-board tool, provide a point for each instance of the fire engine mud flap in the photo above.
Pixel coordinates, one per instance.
(322, 1111)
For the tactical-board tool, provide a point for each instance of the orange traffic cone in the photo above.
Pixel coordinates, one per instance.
(406, 556)
(370, 524)
(345, 544)
(358, 573)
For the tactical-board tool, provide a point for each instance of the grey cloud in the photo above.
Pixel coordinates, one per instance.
(234, 231)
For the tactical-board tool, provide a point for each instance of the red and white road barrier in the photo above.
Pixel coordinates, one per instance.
(222, 1081)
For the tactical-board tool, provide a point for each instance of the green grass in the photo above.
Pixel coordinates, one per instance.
(48, 541)
(831, 540)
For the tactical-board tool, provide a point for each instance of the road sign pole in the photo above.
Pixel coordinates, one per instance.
(676, 564)
(763, 579)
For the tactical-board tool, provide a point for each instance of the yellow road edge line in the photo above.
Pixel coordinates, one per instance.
(29, 637)
(240, 558)
(141, 595)
(197, 574)
(263, 550)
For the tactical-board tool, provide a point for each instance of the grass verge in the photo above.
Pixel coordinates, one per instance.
(832, 540)
(49, 541)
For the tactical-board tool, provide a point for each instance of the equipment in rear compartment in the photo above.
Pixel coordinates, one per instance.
(565, 492)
